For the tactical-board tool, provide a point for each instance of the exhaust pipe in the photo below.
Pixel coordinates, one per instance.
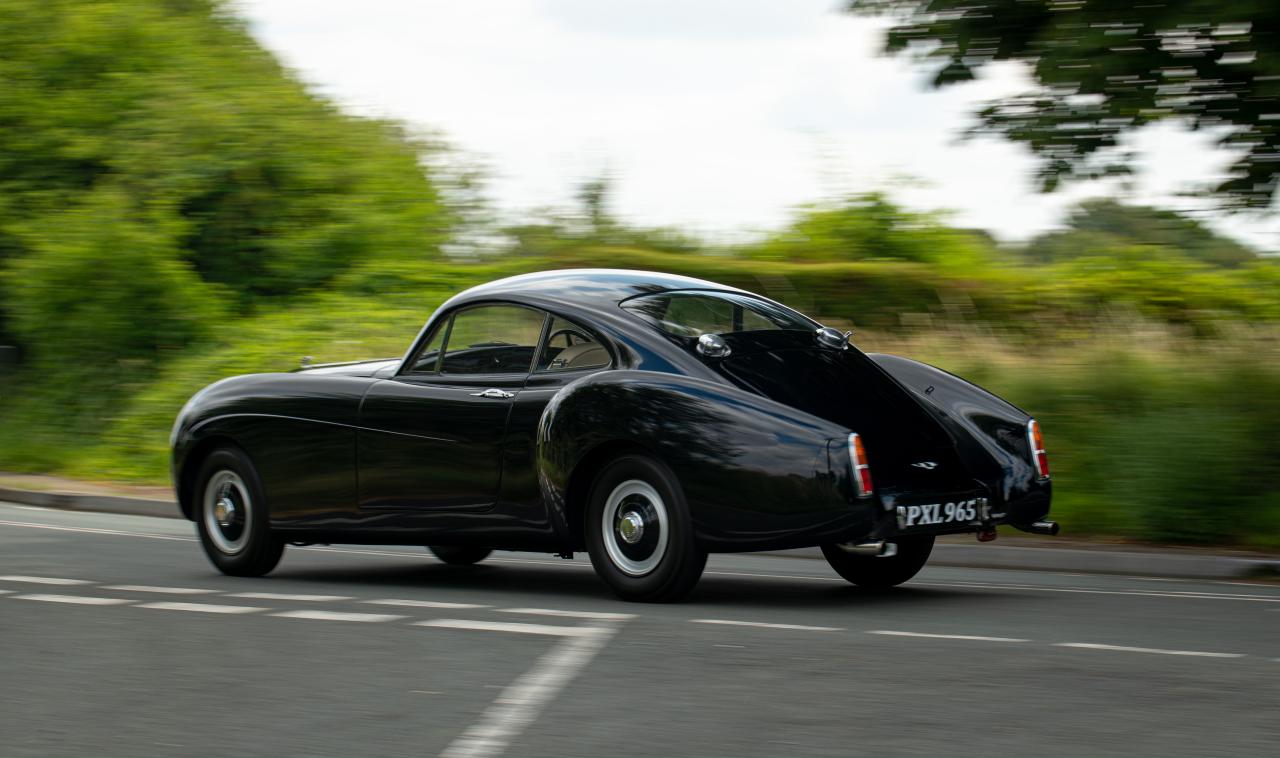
(875, 549)
(1041, 527)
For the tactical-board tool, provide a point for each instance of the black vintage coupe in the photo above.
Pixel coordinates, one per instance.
(647, 419)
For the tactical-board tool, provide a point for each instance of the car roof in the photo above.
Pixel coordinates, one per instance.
(593, 287)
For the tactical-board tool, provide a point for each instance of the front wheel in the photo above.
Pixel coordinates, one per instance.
(231, 516)
(639, 532)
(878, 573)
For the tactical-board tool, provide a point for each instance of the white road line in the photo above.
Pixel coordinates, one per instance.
(1124, 649)
(975, 637)
(596, 615)
(43, 580)
(281, 596)
(797, 627)
(159, 590)
(92, 530)
(1089, 591)
(424, 604)
(204, 607)
(1198, 593)
(75, 599)
(7, 592)
(372, 618)
(505, 626)
(520, 703)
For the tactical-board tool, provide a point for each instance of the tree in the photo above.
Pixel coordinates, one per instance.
(1100, 225)
(1106, 68)
(104, 301)
(173, 106)
(595, 196)
(870, 226)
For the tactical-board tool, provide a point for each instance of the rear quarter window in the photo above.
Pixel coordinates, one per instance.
(692, 314)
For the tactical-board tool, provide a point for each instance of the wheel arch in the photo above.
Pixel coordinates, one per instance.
(578, 488)
(190, 469)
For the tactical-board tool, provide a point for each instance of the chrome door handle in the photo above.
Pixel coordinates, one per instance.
(495, 394)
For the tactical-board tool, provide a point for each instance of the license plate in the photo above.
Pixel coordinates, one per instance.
(964, 511)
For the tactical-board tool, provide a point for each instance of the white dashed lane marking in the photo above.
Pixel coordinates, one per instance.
(204, 607)
(373, 618)
(1158, 651)
(1094, 591)
(520, 703)
(282, 596)
(159, 590)
(972, 637)
(504, 626)
(594, 615)
(424, 604)
(43, 580)
(74, 599)
(761, 624)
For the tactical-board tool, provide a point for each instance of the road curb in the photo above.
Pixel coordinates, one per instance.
(1155, 563)
(92, 503)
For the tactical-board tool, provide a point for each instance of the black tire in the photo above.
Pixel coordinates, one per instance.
(876, 573)
(658, 561)
(237, 539)
(459, 555)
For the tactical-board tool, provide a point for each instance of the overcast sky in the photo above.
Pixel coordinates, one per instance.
(717, 116)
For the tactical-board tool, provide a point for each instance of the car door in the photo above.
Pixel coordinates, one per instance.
(431, 437)
(568, 353)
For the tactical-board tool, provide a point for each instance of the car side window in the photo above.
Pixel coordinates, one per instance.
(492, 339)
(569, 347)
(427, 361)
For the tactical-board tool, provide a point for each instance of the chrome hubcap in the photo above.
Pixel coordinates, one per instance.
(225, 512)
(635, 527)
(226, 508)
(631, 527)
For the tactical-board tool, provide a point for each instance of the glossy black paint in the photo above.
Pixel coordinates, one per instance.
(372, 453)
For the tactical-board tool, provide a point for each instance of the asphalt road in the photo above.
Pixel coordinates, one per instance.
(119, 639)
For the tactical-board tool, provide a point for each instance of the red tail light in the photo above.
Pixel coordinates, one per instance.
(1038, 456)
(861, 471)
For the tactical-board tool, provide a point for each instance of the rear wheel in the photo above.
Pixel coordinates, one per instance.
(232, 518)
(639, 532)
(877, 573)
(459, 555)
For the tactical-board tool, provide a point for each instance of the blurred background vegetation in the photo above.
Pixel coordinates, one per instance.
(176, 208)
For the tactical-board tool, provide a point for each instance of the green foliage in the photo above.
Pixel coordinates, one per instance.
(1152, 435)
(871, 227)
(90, 272)
(1097, 226)
(160, 174)
(1107, 67)
(173, 105)
(592, 224)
